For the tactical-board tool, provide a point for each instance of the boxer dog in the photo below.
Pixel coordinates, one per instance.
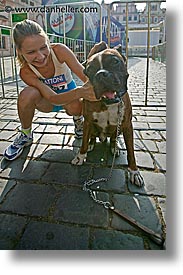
(107, 71)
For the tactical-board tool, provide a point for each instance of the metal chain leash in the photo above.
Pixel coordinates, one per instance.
(155, 237)
(89, 183)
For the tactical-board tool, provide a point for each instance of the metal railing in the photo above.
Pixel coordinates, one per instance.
(148, 28)
(81, 47)
(7, 61)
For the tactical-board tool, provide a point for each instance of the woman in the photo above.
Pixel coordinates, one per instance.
(46, 69)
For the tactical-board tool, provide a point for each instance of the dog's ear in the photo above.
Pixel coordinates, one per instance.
(119, 49)
(97, 48)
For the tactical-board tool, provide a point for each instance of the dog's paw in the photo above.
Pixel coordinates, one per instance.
(136, 178)
(79, 159)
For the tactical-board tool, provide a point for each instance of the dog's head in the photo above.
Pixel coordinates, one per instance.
(107, 71)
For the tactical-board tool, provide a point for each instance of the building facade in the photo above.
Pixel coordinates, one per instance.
(119, 12)
(138, 19)
(5, 16)
(138, 26)
(5, 21)
(157, 14)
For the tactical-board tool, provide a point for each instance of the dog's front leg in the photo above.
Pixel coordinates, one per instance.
(82, 154)
(135, 176)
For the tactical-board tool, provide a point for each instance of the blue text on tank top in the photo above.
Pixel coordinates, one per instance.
(57, 83)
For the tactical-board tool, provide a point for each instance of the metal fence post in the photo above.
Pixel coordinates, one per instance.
(127, 31)
(148, 47)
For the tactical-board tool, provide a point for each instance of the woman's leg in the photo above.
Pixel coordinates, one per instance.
(75, 109)
(29, 100)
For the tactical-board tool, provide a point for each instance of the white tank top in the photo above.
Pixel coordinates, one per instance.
(62, 76)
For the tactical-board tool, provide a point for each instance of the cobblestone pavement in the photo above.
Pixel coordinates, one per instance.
(42, 203)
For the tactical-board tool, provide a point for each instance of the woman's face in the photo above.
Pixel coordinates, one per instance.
(35, 50)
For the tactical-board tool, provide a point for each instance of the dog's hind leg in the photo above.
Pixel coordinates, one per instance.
(114, 147)
(91, 144)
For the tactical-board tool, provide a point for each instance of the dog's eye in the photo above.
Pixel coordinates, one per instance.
(115, 61)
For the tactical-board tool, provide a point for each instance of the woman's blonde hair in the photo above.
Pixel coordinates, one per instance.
(22, 30)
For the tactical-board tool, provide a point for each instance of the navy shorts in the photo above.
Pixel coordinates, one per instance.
(70, 86)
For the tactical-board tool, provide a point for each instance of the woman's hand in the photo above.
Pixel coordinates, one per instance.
(87, 92)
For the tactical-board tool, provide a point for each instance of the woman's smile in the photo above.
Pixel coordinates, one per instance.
(40, 62)
(35, 50)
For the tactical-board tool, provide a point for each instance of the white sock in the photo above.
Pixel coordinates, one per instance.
(78, 117)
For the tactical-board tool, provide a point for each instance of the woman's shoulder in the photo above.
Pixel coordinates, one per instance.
(59, 48)
(61, 51)
(25, 69)
(56, 46)
(25, 72)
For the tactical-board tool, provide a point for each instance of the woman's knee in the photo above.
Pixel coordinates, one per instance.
(29, 95)
(74, 108)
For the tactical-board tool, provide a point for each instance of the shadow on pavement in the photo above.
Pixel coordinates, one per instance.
(44, 207)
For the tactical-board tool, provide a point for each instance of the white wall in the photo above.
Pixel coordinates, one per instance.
(139, 37)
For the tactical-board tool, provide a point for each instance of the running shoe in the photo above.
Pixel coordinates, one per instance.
(78, 123)
(15, 149)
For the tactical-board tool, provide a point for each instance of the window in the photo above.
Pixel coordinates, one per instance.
(154, 7)
(2, 43)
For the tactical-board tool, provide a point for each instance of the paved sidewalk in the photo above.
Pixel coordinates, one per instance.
(42, 203)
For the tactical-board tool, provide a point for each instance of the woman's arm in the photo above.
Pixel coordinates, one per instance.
(86, 91)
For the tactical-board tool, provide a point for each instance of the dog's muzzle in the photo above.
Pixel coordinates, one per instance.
(107, 87)
(103, 75)
(116, 99)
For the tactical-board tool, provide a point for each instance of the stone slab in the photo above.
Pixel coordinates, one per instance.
(144, 159)
(76, 206)
(25, 169)
(116, 183)
(49, 236)
(10, 230)
(154, 184)
(66, 174)
(141, 208)
(115, 240)
(30, 199)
